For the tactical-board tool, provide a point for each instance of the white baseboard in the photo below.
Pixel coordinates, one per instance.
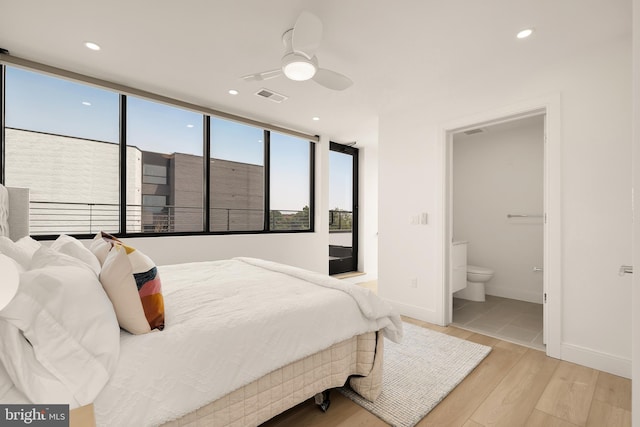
(415, 312)
(517, 294)
(615, 365)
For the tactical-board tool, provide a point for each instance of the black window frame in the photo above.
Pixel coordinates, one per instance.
(354, 152)
(123, 233)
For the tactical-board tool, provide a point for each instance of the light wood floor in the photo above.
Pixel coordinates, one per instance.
(512, 386)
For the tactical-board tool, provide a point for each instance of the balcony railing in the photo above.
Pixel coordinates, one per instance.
(76, 218)
(289, 220)
(340, 221)
(89, 218)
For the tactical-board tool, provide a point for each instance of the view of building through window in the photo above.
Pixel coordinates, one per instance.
(237, 176)
(62, 142)
(168, 156)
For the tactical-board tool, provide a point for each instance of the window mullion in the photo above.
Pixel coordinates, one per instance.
(312, 185)
(123, 164)
(2, 122)
(267, 180)
(207, 172)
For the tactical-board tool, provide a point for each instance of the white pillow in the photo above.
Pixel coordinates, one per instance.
(100, 247)
(18, 253)
(47, 257)
(60, 337)
(4, 211)
(29, 244)
(73, 247)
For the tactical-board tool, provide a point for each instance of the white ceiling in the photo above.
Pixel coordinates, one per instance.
(396, 52)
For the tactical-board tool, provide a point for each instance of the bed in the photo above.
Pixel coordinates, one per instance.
(242, 340)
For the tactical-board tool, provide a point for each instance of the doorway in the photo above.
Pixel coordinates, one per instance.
(497, 221)
(343, 213)
(549, 107)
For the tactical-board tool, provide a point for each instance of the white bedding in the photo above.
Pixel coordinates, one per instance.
(258, 317)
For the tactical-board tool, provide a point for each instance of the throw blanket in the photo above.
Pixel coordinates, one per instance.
(229, 323)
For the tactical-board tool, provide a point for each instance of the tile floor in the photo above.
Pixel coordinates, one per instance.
(511, 320)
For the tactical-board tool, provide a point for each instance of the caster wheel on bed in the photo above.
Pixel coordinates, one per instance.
(323, 401)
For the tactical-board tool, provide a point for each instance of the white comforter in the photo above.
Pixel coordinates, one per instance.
(227, 324)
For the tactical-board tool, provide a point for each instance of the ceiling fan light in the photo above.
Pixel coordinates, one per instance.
(297, 67)
(523, 34)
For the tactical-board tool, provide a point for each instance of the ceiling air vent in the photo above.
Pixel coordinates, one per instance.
(473, 131)
(271, 95)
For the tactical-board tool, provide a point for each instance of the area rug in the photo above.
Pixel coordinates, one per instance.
(419, 373)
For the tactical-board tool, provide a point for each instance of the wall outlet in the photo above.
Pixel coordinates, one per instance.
(413, 282)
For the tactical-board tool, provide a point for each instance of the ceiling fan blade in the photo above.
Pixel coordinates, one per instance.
(331, 79)
(265, 75)
(307, 34)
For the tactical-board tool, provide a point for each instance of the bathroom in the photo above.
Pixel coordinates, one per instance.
(498, 230)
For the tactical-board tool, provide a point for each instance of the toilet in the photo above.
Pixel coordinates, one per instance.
(476, 278)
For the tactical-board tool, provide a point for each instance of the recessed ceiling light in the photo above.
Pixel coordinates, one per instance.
(523, 34)
(233, 92)
(92, 46)
(189, 125)
(315, 118)
(87, 103)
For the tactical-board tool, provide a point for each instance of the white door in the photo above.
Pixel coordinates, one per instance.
(545, 271)
(635, 300)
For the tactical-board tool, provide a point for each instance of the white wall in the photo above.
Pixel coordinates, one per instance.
(368, 210)
(305, 250)
(635, 302)
(495, 173)
(595, 88)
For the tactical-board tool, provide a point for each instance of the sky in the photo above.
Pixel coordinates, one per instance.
(46, 104)
(341, 181)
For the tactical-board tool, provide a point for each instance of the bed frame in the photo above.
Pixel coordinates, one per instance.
(357, 360)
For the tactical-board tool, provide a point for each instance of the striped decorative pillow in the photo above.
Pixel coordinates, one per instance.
(131, 280)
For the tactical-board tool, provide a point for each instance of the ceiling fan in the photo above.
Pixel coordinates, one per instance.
(299, 62)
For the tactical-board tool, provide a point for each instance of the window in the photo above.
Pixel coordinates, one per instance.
(154, 174)
(165, 160)
(290, 175)
(343, 215)
(61, 141)
(237, 177)
(96, 160)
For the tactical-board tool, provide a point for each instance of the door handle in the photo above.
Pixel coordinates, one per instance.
(625, 269)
